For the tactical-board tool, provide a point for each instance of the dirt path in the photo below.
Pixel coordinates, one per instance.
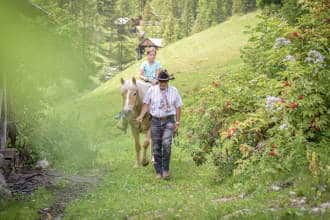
(66, 189)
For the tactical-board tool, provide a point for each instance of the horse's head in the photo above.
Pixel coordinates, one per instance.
(130, 94)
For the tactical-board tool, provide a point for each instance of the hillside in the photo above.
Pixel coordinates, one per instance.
(194, 192)
(193, 61)
(134, 193)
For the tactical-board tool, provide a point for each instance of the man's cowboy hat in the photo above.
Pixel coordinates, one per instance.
(164, 76)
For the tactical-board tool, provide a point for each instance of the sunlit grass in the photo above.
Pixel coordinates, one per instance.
(27, 208)
(192, 193)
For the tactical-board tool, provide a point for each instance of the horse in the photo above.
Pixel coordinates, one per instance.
(133, 92)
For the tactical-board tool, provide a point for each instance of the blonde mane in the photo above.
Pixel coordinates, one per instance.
(141, 86)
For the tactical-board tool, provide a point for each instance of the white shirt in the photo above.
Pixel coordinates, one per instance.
(162, 102)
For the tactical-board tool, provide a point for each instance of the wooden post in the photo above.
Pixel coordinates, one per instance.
(3, 117)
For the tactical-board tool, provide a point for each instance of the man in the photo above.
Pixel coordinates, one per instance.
(164, 104)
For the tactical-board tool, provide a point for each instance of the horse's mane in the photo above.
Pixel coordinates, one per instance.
(140, 85)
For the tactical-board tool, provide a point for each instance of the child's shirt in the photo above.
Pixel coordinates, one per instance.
(150, 70)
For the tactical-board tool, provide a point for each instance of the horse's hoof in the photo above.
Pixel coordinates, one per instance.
(136, 166)
(145, 163)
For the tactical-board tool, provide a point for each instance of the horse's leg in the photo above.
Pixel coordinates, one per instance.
(136, 136)
(146, 144)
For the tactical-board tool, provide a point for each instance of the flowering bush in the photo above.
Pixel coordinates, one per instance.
(281, 42)
(274, 111)
(314, 57)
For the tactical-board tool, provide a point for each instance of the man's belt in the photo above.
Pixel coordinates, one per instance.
(163, 118)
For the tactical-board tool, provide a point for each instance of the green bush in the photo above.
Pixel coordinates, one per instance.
(55, 134)
(270, 117)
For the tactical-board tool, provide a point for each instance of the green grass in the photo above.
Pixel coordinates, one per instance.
(129, 192)
(193, 193)
(27, 207)
(194, 61)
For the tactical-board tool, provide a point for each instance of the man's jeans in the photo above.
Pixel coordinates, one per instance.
(161, 135)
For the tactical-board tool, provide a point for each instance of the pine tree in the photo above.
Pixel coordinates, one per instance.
(210, 12)
(263, 3)
(243, 6)
(251, 5)
(123, 48)
(202, 17)
(116, 48)
(171, 24)
(170, 30)
(221, 10)
(228, 7)
(188, 16)
(147, 12)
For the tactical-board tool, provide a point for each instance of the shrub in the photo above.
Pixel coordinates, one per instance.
(271, 115)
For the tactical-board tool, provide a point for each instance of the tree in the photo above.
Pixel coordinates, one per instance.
(188, 16)
(263, 3)
(170, 25)
(123, 48)
(147, 12)
(209, 13)
(228, 7)
(116, 45)
(243, 6)
(292, 10)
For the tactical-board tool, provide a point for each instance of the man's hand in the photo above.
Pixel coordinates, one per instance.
(177, 125)
(144, 110)
(139, 118)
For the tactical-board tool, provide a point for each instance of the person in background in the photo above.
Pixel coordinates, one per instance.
(150, 68)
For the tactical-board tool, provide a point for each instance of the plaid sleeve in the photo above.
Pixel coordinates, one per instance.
(147, 97)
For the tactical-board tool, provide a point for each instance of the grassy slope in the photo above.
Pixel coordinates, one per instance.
(128, 192)
(192, 193)
(193, 60)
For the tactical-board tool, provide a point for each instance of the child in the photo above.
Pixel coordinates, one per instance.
(149, 71)
(150, 68)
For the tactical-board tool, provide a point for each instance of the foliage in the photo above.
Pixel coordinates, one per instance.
(292, 10)
(263, 3)
(243, 6)
(192, 193)
(183, 18)
(17, 208)
(272, 115)
(96, 32)
(209, 14)
(41, 70)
